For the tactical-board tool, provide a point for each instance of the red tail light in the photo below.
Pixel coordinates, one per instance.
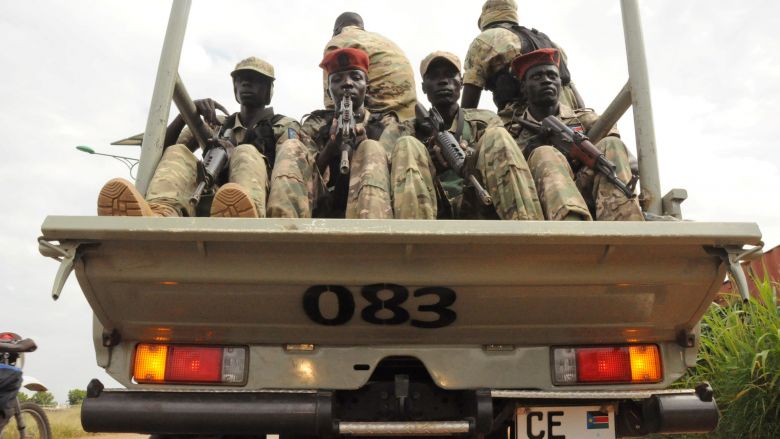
(629, 364)
(595, 365)
(194, 364)
(170, 363)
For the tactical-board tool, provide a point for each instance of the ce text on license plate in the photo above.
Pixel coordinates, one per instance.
(589, 422)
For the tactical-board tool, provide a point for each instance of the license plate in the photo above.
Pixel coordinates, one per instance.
(565, 422)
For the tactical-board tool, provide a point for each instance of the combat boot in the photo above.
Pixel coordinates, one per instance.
(119, 197)
(233, 201)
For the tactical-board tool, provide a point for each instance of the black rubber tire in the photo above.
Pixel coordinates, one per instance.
(32, 412)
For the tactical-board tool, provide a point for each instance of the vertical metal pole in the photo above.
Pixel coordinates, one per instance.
(643, 110)
(154, 135)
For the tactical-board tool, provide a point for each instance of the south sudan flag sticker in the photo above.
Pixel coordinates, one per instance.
(597, 420)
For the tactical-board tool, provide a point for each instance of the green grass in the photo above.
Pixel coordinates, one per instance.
(66, 424)
(740, 357)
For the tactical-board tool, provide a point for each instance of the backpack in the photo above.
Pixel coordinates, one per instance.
(504, 85)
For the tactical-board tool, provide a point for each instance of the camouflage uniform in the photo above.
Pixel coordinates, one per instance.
(566, 188)
(390, 77)
(298, 190)
(176, 176)
(499, 166)
(493, 50)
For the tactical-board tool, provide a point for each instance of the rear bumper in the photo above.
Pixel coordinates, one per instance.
(120, 411)
(315, 413)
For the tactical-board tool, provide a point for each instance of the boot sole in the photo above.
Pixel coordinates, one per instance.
(232, 201)
(120, 198)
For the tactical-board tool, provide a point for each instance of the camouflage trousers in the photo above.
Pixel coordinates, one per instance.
(176, 177)
(296, 183)
(500, 166)
(414, 196)
(562, 193)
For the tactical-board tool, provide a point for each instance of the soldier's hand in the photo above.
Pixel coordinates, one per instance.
(207, 108)
(438, 158)
(361, 133)
(333, 146)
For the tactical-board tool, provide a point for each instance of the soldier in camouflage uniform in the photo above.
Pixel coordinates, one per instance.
(492, 155)
(256, 131)
(306, 179)
(391, 85)
(490, 54)
(567, 189)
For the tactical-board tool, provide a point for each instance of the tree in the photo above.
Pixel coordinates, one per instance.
(23, 397)
(76, 396)
(43, 398)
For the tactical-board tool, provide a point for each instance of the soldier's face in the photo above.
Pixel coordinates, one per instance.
(442, 83)
(542, 84)
(252, 89)
(351, 83)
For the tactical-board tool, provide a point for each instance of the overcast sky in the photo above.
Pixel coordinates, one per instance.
(81, 72)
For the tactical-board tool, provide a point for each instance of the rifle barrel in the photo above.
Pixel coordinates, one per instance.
(189, 113)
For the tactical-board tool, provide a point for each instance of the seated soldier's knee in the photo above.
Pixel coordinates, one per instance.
(612, 146)
(246, 153)
(369, 148)
(544, 154)
(497, 134)
(179, 151)
(497, 142)
(246, 148)
(408, 146)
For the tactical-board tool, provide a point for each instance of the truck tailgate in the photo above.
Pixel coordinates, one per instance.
(358, 282)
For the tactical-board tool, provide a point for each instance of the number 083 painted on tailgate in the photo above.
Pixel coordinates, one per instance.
(388, 304)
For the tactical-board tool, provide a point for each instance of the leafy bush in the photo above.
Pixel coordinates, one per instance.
(740, 358)
(43, 398)
(76, 396)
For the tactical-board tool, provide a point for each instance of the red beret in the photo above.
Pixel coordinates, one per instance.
(345, 59)
(522, 63)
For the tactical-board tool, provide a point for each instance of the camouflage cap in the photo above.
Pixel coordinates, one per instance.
(494, 11)
(256, 65)
(447, 56)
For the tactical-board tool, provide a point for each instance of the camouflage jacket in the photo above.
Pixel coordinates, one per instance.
(270, 131)
(491, 52)
(391, 85)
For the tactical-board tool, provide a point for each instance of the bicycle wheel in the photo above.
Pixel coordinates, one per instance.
(35, 421)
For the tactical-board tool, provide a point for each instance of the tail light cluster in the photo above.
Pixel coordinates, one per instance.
(629, 364)
(183, 364)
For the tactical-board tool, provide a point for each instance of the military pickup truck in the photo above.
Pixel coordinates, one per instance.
(327, 327)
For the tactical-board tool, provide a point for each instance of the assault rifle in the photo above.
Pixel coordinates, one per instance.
(452, 152)
(346, 127)
(576, 145)
(214, 161)
(215, 156)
